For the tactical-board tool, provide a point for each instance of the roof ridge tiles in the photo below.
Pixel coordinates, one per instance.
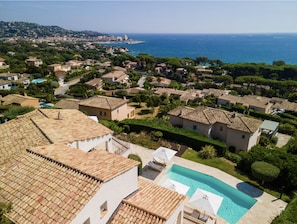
(64, 165)
(125, 201)
(207, 118)
(245, 124)
(43, 133)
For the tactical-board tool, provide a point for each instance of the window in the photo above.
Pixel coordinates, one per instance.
(103, 209)
(221, 128)
(243, 136)
(100, 113)
(194, 127)
(104, 113)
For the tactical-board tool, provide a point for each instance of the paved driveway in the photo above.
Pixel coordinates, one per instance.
(282, 139)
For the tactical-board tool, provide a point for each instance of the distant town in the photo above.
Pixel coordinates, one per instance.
(89, 133)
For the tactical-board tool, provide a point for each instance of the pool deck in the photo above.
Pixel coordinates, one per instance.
(264, 210)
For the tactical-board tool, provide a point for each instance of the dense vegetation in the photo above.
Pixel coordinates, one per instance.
(288, 216)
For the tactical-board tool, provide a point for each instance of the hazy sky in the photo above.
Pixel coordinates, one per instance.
(165, 16)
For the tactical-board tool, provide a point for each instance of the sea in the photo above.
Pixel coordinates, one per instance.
(229, 48)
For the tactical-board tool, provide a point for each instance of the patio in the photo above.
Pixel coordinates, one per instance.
(264, 211)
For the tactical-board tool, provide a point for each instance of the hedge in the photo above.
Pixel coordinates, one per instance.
(138, 159)
(185, 136)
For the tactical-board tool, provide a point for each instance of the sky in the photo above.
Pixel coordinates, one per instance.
(167, 16)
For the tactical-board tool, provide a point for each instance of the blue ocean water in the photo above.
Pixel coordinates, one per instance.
(229, 48)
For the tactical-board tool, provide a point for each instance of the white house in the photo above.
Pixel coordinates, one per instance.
(5, 84)
(51, 174)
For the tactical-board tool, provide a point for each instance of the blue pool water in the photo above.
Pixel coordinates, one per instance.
(38, 80)
(235, 203)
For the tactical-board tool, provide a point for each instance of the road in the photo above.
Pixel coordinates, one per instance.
(63, 88)
(141, 81)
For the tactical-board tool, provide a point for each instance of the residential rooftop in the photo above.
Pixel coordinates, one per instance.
(51, 184)
(15, 98)
(45, 126)
(103, 102)
(208, 115)
(151, 203)
(68, 104)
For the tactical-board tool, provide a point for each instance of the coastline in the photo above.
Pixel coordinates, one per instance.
(122, 42)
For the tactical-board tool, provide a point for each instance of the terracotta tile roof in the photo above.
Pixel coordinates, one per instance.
(44, 191)
(41, 127)
(19, 134)
(215, 92)
(101, 165)
(4, 82)
(248, 100)
(129, 214)
(68, 104)
(208, 115)
(114, 74)
(15, 98)
(151, 203)
(73, 125)
(109, 103)
(8, 74)
(94, 82)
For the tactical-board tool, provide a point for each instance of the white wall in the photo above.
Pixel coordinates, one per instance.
(88, 144)
(174, 218)
(203, 129)
(254, 139)
(113, 192)
(234, 138)
(175, 120)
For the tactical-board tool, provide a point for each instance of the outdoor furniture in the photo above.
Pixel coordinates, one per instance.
(175, 186)
(155, 166)
(206, 201)
(156, 161)
(210, 220)
(203, 217)
(163, 155)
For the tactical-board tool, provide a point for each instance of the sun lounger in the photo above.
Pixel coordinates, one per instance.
(158, 162)
(155, 166)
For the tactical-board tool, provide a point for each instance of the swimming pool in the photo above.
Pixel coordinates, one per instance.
(40, 80)
(235, 203)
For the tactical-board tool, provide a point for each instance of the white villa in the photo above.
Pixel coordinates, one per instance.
(57, 166)
(232, 128)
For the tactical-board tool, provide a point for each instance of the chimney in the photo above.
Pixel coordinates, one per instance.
(59, 116)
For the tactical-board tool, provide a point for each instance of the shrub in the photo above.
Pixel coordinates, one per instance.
(264, 172)
(126, 128)
(264, 141)
(15, 111)
(5, 208)
(138, 159)
(274, 139)
(157, 134)
(188, 137)
(207, 152)
(235, 158)
(232, 149)
(289, 215)
(113, 125)
(286, 162)
(287, 129)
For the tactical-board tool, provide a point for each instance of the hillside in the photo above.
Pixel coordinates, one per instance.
(33, 30)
